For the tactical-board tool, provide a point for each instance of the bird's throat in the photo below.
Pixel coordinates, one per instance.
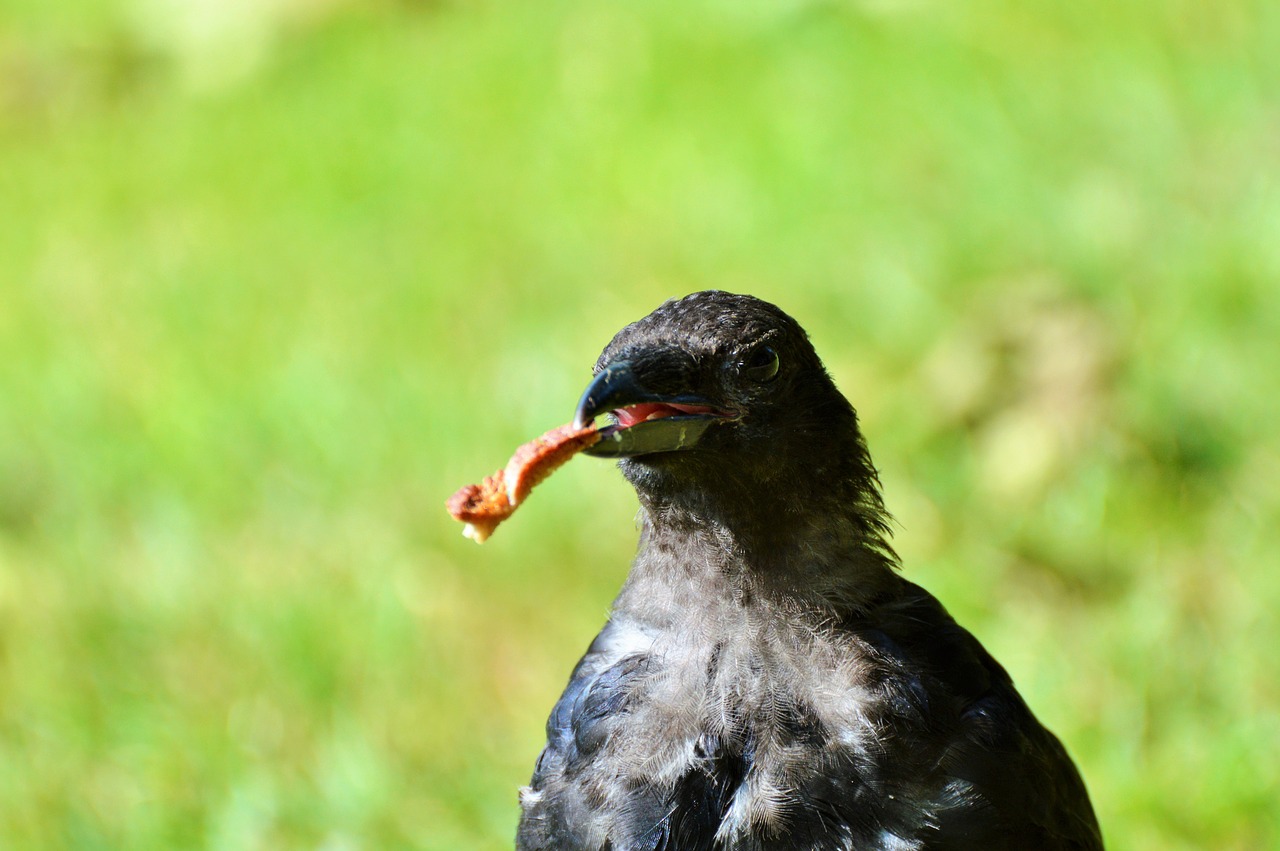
(696, 559)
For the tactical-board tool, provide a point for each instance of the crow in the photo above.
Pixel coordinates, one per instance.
(766, 679)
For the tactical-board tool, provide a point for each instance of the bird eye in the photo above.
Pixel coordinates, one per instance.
(760, 364)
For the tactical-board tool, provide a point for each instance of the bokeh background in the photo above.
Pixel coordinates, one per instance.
(277, 276)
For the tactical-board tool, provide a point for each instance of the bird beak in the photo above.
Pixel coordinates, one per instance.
(646, 422)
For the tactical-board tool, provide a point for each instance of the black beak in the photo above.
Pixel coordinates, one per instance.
(672, 421)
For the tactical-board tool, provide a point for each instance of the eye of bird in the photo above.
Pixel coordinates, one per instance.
(760, 364)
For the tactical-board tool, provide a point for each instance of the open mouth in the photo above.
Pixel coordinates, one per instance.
(644, 412)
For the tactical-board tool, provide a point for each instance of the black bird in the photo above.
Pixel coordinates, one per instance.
(766, 680)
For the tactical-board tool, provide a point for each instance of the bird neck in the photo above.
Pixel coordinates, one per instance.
(829, 556)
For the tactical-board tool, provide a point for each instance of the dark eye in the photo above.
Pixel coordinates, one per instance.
(760, 364)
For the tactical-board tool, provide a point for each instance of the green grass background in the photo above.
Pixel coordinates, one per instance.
(277, 276)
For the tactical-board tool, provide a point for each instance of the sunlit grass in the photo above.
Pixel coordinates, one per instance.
(273, 286)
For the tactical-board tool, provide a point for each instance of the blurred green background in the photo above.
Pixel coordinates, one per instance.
(276, 276)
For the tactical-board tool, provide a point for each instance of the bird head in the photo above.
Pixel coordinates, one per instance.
(722, 409)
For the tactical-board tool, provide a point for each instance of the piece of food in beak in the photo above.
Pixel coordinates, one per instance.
(483, 506)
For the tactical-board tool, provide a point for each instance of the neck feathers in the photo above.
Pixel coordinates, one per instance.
(828, 554)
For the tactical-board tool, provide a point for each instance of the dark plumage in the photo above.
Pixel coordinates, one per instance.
(766, 680)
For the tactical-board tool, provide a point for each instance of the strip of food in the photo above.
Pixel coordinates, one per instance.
(483, 506)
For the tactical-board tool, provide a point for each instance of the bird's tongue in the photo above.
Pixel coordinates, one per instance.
(633, 414)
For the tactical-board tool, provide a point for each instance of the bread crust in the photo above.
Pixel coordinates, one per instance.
(484, 505)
